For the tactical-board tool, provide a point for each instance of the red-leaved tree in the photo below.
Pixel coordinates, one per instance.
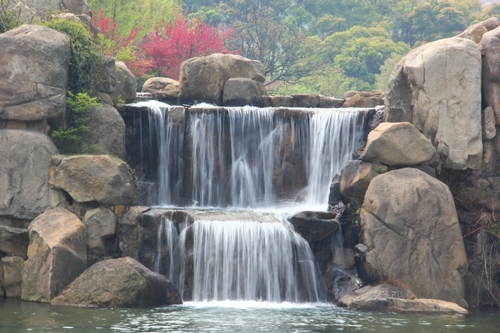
(169, 47)
(120, 47)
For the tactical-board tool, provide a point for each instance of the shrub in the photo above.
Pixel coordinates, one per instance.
(84, 61)
(70, 141)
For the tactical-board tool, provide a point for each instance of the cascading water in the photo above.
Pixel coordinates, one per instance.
(248, 158)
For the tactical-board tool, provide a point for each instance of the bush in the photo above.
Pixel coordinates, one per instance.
(78, 108)
(9, 18)
(84, 61)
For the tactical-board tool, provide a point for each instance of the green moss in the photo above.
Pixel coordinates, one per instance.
(70, 141)
(83, 73)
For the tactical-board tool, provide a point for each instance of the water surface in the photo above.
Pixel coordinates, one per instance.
(17, 316)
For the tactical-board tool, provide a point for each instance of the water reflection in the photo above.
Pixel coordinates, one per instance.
(17, 316)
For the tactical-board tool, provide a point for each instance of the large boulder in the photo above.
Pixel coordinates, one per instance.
(56, 255)
(126, 84)
(397, 144)
(410, 226)
(24, 166)
(156, 84)
(13, 241)
(100, 178)
(119, 283)
(396, 299)
(106, 133)
(490, 49)
(437, 87)
(241, 91)
(202, 78)
(33, 73)
(476, 31)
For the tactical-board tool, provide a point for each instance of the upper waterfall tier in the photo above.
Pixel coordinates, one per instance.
(246, 157)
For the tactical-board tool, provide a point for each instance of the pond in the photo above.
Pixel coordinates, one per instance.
(17, 316)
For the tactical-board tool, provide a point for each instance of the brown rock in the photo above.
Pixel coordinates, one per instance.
(33, 73)
(240, 91)
(12, 270)
(202, 78)
(489, 128)
(355, 178)
(410, 226)
(100, 178)
(306, 100)
(119, 283)
(430, 89)
(56, 255)
(156, 84)
(397, 144)
(475, 32)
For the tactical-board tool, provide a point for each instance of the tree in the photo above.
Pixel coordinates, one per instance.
(144, 15)
(167, 48)
(122, 48)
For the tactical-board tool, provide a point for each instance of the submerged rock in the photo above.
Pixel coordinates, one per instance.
(119, 283)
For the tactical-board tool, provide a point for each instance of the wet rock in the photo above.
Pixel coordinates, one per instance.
(12, 272)
(317, 228)
(277, 101)
(119, 283)
(395, 299)
(56, 255)
(398, 144)
(330, 102)
(430, 89)
(306, 100)
(410, 226)
(100, 178)
(40, 92)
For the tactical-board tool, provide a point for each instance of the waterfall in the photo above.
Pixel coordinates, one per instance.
(245, 159)
(246, 260)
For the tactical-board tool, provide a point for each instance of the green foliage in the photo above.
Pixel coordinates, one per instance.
(144, 15)
(78, 107)
(9, 18)
(84, 61)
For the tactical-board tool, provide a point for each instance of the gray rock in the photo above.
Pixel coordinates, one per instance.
(410, 226)
(12, 270)
(13, 241)
(330, 102)
(489, 122)
(437, 87)
(24, 166)
(306, 100)
(240, 92)
(476, 31)
(397, 144)
(100, 178)
(33, 73)
(277, 101)
(202, 78)
(126, 84)
(56, 255)
(101, 224)
(106, 133)
(119, 283)
(77, 7)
